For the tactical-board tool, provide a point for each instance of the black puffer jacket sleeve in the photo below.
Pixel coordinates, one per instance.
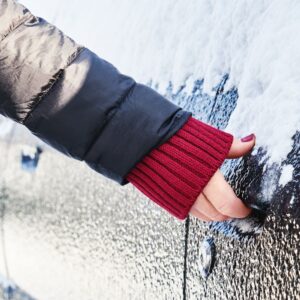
(74, 100)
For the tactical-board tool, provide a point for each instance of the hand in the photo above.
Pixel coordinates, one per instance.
(218, 202)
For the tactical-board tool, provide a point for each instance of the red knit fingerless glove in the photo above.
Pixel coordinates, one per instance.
(175, 173)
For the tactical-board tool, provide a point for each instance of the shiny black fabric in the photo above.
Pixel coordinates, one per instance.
(74, 100)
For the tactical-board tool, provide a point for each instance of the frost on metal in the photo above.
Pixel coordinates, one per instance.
(10, 291)
(207, 256)
(30, 157)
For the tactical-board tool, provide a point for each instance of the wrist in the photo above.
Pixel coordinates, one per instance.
(175, 173)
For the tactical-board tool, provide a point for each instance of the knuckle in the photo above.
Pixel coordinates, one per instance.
(217, 217)
(228, 206)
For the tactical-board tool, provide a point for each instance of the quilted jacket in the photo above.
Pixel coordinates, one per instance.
(84, 107)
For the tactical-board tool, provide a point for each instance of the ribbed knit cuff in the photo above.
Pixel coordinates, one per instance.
(175, 173)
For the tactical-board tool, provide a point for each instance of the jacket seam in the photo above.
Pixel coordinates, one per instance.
(23, 20)
(48, 87)
(110, 115)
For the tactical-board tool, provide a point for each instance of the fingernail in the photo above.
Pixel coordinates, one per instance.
(248, 138)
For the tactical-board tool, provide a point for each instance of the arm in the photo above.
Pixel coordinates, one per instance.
(82, 106)
(74, 100)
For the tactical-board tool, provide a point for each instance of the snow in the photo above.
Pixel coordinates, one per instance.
(286, 174)
(256, 42)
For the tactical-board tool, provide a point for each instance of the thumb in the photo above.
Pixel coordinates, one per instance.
(240, 147)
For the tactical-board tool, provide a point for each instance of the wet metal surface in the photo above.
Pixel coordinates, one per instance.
(69, 233)
(72, 234)
(266, 267)
(258, 257)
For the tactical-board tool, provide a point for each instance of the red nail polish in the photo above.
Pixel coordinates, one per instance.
(248, 138)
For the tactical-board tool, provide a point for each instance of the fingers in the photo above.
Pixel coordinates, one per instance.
(205, 209)
(242, 146)
(218, 202)
(199, 215)
(222, 197)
